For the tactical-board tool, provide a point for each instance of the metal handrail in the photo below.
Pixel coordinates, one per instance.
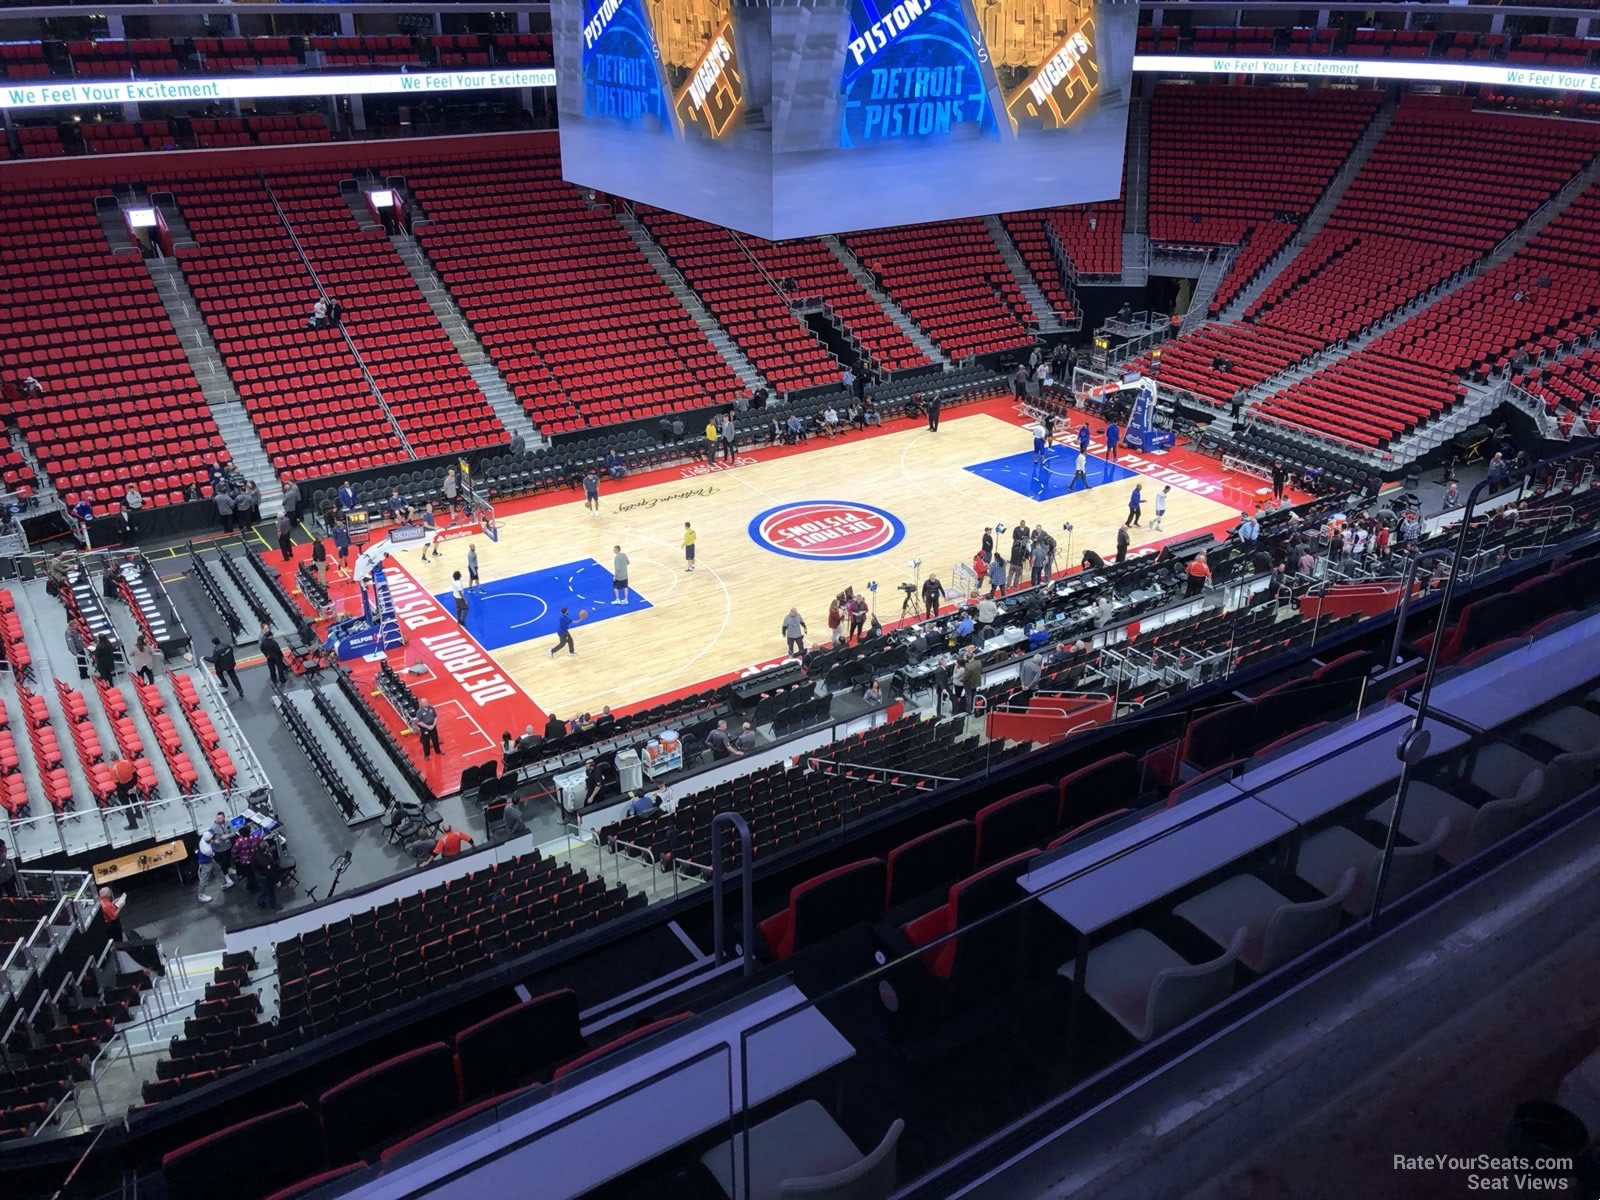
(720, 822)
(344, 333)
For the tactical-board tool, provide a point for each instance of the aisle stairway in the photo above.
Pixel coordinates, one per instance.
(1046, 319)
(479, 365)
(238, 433)
(1318, 217)
(870, 285)
(690, 299)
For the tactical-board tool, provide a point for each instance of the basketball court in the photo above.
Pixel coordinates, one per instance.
(782, 526)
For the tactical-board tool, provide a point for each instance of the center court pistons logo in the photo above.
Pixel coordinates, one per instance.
(826, 530)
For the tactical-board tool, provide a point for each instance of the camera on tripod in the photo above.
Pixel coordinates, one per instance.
(908, 588)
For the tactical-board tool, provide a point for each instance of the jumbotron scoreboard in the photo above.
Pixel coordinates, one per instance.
(783, 120)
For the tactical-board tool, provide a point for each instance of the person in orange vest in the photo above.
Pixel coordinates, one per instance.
(126, 776)
(1199, 573)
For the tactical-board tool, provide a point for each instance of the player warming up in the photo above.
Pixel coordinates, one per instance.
(564, 624)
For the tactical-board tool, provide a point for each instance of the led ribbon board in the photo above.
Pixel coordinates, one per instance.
(1557, 79)
(65, 94)
(912, 70)
(620, 79)
(695, 41)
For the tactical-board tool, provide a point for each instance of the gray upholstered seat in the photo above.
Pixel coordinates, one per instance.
(1471, 829)
(1571, 729)
(1566, 775)
(1149, 987)
(802, 1152)
(1324, 858)
(1499, 769)
(1276, 928)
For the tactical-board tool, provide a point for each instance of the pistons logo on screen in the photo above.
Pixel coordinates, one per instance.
(826, 530)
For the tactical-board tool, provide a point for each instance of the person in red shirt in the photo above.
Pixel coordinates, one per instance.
(1199, 573)
(448, 845)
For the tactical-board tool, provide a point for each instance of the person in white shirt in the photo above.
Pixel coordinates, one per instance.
(830, 420)
(319, 313)
(1161, 506)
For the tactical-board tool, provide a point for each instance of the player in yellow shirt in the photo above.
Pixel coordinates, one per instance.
(688, 546)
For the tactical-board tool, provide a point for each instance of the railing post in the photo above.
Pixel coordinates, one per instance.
(720, 822)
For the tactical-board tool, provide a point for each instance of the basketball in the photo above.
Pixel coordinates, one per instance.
(583, 614)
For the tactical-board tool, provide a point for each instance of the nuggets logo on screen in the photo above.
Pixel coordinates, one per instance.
(826, 530)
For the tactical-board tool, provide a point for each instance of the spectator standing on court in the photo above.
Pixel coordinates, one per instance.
(269, 869)
(319, 560)
(1113, 436)
(1279, 478)
(224, 502)
(1161, 506)
(427, 722)
(1122, 543)
(459, 595)
(794, 632)
(933, 590)
(451, 489)
(1019, 552)
(619, 576)
(341, 540)
(285, 540)
(245, 847)
(688, 546)
(277, 669)
(858, 617)
(1135, 504)
(711, 441)
(472, 567)
(1039, 556)
(221, 660)
(248, 505)
(591, 492)
(730, 436)
(291, 498)
(934, 405)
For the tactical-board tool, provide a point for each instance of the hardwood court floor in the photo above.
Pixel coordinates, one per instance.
(727, 614)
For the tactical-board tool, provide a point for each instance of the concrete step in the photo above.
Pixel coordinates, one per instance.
(480, 365)
(227, 409)
(680, 287)
(868, 284)
(1046, 319)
